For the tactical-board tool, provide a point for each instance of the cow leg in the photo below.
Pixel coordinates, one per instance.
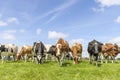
(96, 60)
(113, 59)
(58, 59)
(25, 57)
(80, 57)
(41, 60)
(52, 58)
(61, 59)
(33, 58)
(8, 57)
(14, 57)
(106, 59)
(99, 56)
(75, 60)
(46, 57)
(90, 58)
(3, 58)
(0, 56)
(102, 58)
(38, 59)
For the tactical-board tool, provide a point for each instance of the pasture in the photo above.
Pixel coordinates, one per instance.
(52, 71)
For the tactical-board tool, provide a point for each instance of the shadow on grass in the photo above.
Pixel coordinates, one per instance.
(98, 65)
(66, 64)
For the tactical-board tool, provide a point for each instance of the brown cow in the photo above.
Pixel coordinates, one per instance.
(76, 52)
(62, 49)
(110, 50)
(24, 52)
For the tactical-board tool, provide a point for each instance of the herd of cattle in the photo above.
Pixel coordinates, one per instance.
(40, 52)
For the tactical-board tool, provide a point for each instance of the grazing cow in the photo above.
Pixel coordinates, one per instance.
(8, 50)
(62, 49)
(38, 50)
(94, 48)
(76, 52)
(50, 52)
(26, 51)
(110, 50)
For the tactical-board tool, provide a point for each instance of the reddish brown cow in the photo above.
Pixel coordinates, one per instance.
(110, 50)
(76, 52)
(62, 49)
(25, 51)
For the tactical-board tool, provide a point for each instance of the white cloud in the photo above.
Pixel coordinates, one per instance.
(108, 3)
(54, 34)
(8, 21)
(118, 19)
(38, 31)
(2, 23)
(105, 3)
(13, 20)
(8, 35)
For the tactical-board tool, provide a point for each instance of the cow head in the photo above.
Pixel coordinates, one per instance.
(116, 50)
(96, 47)
(76, 60)
(18, 56)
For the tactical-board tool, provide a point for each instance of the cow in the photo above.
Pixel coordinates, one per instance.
(94, 49)
(26, 51)
(38, 50)
(62, 49)
(8, 50)
(76, 50)
(109, 50)
(50, 52)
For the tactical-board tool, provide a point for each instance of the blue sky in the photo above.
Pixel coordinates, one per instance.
(25, 21)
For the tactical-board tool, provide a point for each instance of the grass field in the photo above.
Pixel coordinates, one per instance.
(52, 71)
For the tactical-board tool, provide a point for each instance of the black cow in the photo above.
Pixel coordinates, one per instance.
(38, 50)
(94, 48)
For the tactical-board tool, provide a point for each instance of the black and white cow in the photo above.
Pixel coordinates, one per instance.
(94, 48)
(50, 52)
(38, 50)
(8, 50)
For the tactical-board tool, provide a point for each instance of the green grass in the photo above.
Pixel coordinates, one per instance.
(52, 71)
